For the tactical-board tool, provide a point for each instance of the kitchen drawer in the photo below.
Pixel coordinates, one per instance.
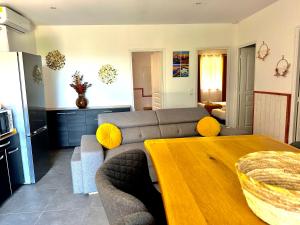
(5, 143)
(75, 132)
(15, 166)
(75, 117)
(60, 117)
(76, 127)
(60, 139)
(67, 126)
(11, 167)
(5, 190)
(92, 116)
(60, 127)
(91, 129)
(10, 142)
(67, 116)
(14, 142)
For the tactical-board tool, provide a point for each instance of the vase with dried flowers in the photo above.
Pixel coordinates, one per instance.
(80, 87)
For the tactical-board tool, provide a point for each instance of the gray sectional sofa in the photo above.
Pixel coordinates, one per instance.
(136, 127)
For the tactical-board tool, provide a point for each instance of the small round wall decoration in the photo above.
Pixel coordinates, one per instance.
(263, 51)
(108, 74)
(282, 67)
(55, 60)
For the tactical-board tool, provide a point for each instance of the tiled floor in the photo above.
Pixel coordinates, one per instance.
(52, 202)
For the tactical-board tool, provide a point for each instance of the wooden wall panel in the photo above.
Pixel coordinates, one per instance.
(272, 114)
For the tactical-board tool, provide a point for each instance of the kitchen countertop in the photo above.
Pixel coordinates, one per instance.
(8, 135)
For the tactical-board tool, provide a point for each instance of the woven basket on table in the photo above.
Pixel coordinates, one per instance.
(271, 185)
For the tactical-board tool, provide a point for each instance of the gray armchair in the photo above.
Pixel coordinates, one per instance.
(127, 192)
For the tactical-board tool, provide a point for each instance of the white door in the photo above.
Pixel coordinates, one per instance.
(297, 113)
(156, 76)
(246, 88)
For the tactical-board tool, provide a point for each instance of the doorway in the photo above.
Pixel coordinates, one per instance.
(147, 72)
(212, 82)
(246, 87)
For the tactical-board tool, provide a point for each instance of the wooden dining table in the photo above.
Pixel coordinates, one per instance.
(198, 179)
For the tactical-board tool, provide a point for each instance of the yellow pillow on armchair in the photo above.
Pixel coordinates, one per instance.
(109, 135)
(208, 127)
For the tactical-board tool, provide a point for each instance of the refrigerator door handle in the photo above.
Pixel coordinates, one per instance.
(13, 151)
(4, 145)
(40, 130)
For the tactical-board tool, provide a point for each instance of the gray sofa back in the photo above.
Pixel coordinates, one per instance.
(175, 123)
(164, 123)
(135, 126)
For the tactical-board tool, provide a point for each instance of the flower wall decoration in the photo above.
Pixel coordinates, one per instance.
(55, 60)
(107, 74)
(37, 74)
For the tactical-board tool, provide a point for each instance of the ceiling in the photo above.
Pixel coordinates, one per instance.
(88, 12)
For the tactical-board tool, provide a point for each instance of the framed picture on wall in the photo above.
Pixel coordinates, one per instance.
(176, 70)
(181, 61)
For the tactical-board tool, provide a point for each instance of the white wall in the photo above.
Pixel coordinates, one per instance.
(277, 26)
(22, 42)
(4, 45)
(88, 47)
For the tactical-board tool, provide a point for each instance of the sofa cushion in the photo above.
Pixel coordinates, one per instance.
(139, 134)
(178, 130)
(180, 115)
(129, 119)
(109, 135)
(208, 127)
(127, 147)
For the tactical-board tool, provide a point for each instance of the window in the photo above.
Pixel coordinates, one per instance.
(211, 70)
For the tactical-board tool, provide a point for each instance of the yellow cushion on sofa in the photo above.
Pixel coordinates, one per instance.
(109, 135)
(208, 127)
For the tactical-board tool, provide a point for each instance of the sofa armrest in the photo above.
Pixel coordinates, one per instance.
(92, 157)
(229, 131)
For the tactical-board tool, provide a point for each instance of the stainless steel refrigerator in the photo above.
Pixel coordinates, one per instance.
(22, 90)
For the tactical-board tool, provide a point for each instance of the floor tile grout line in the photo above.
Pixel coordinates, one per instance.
(11, 212)
(15, 213)
(72, 209)
(37, 219)
(39, 215)
(43, 211)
